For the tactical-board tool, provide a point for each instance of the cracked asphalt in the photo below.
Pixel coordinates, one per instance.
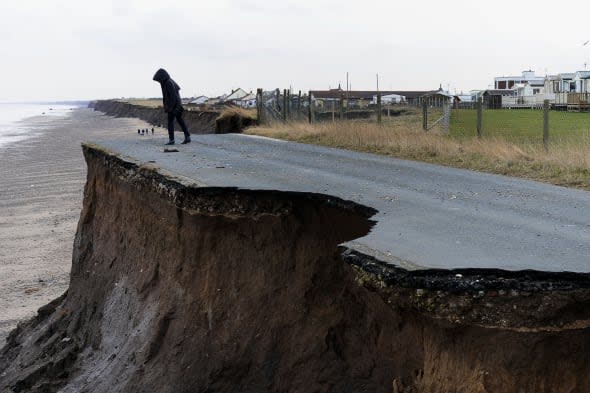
(429, 216)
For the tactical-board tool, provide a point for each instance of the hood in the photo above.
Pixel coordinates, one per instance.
(161, 75)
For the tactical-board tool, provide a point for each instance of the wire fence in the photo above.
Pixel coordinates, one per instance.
(531, 123)
(285, 106)
(546, 126)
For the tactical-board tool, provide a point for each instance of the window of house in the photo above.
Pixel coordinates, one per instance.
(536, 91)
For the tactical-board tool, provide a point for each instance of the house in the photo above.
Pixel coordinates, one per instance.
(464, 101)
(236, 95)
(527, 90)
(248, 101)
(560, 83)
(200, 100)
(581, 81)
(389, 99)
(217, 100)
(566, 82)
(437, 98)
(495, 98)
(362, 98)
(508, 82)
(563, 90)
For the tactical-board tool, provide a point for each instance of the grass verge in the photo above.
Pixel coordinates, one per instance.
(567, 163)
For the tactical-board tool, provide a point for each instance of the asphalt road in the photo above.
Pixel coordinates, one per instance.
(429, 216)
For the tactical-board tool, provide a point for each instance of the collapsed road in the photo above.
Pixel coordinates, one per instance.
(179, 287)
(429, 216)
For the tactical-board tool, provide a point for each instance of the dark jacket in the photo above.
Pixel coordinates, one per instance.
(170, 91)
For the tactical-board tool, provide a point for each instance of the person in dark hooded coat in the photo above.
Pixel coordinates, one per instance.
(172, 105)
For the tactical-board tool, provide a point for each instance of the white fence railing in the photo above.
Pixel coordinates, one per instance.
(569, 100)
(524, 101)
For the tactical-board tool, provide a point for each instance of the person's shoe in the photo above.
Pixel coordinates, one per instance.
(171, 142)
(185, 141)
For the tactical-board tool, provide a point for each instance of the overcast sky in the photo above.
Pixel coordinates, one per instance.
(79, 49)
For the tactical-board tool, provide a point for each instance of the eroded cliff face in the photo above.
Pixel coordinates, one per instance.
(179, 288)
(198, 122)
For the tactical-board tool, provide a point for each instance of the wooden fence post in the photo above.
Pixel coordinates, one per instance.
(259, 107)
(424, 114)
(341, 107)
(289, 114)
(333, 111)
(299, 105)
(284, 104)
(546, 125)
(378, 107)
(479, 115)
(309, 108)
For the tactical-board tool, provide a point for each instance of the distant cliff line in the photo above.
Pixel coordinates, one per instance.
(198, 122)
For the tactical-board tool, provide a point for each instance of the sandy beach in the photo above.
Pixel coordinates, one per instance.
(41, 188)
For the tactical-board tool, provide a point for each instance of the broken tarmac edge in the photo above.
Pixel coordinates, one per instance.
(394, 271)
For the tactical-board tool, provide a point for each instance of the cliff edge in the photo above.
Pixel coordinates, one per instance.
(198, 122)
(181, 288)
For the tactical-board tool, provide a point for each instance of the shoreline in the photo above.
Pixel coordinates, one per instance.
(29, 121)
(41, 190)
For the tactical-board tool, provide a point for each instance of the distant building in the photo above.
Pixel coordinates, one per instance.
(389, 99)
(200, 100)
(235, 96)
(582, 81)
(494, 98)
(362, 98)
(560, 83)
(568, 90)
(508, 82)
(463, 101)
(248, 101)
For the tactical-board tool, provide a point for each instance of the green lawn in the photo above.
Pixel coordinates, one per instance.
(521, 125)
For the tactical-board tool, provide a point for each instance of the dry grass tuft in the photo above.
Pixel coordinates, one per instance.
(567, 163)
(231, 111)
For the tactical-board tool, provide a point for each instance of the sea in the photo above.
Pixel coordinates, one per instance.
(14, 127)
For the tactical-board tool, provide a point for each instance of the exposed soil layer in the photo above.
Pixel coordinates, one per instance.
(176, 288)
(198, 122)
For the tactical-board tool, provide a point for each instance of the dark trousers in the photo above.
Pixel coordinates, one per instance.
(180, 120)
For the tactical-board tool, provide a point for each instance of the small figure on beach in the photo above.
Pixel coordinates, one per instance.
(138, 131)
(152, 130)
(172, 105)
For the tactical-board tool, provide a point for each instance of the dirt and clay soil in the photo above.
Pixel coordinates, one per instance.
(179, 288)
(197, 121)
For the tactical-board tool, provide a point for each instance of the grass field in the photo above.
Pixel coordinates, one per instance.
(521, 125)
(511, 144)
